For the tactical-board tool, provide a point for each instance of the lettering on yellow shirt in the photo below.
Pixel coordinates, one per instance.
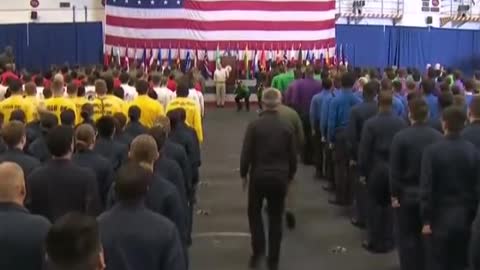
(79, 102)
(17, 102)
(151, 110)
(57, 105)
(193, 115)
(105, 106)
(36, 105)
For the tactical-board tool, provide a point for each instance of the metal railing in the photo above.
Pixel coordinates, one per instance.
(382, 9)
(459, 11)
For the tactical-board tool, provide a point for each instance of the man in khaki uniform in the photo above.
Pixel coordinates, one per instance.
(220, 77)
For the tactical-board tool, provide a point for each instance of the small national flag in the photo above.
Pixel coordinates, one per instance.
(300, 54)
(195, 58)
(106, 57)
(263, 60)
(217, 57)
(292, 54)
(152, 58)
(307, 58)
(327, 59)
(169, 57)
(313, 56)
(178, 61)
(245, 62)
(144, 57)
(159, 57)
(270, 59)
(321, 57)
(126, 61)
(255, 63)
(285, 57)
(207, 73)
(118, 57)
(188, 62)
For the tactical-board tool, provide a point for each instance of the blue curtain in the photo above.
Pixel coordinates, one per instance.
(37, 46)
(379, 46)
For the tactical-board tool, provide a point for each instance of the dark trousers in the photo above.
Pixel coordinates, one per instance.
(273, 190)
(318, 153)
(412, 246)
(238, 100)
(193, 201)
(329, 165)
(379, 225)
(307, 149)
(450, 238)
(343, 185)
(380, 214)
(360, 197)
(259, 99)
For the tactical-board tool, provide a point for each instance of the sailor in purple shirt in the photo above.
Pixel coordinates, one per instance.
(299, 96)
(457, 78)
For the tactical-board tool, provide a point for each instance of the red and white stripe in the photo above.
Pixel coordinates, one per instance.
(206, 24)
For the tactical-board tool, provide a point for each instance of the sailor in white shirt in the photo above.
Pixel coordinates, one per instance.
(220, 77)
(130, 93)
(164, 95)
(197, 97)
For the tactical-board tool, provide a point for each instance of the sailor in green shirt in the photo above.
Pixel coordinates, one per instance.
(283, 80)
(242, 92)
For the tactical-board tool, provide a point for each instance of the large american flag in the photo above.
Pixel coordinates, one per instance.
(205, 24)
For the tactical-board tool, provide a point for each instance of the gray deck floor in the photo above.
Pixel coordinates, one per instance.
(221, 240)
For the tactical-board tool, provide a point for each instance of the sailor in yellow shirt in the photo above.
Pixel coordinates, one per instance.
(59, 103)
(16, 102)
(31, 97)
(110, 88)
(103, 104)
(192, 110)
(72, 93)
(151, 109)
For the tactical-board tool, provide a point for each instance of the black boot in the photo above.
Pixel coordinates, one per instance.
(291, 220)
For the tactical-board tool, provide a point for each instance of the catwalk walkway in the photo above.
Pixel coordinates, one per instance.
(221, 239)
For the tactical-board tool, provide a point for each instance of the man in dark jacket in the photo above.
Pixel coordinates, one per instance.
(85, 157)
(472, 132)
(373, 156)
(133, 236)
(162, 196)
(60, 186)
(14, 136)
(112, 150)
(22, 234)
(73, 242)
(38, 148)
(405, 158)
(449, 182)
(270, 169)
(134, 127)
(359, 114)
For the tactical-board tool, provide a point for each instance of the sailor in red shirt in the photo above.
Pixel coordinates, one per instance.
(8, 74)
(171, 83)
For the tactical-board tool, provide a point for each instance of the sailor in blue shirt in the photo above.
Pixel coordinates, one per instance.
(338, 117)
(315, 116)
(397, 106)
(428, 86)
(398, 93)
(327, 155)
